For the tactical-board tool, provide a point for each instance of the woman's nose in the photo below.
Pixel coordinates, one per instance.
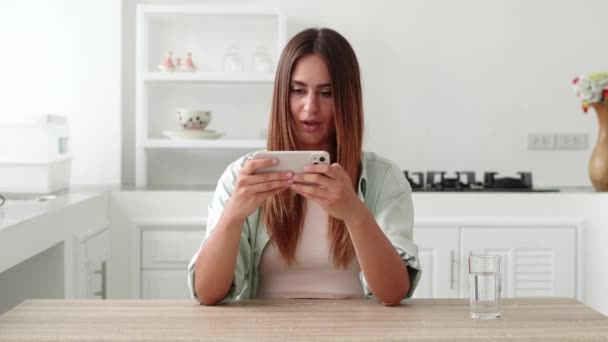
(311, 105)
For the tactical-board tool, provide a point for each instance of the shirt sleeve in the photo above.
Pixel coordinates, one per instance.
(394, 213)
(223, 191)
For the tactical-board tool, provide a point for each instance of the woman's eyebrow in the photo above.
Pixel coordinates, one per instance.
(300, 83)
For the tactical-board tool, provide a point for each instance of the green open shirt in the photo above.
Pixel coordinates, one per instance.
(382, 187)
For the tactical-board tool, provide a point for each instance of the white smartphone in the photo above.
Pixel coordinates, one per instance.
(291, 160)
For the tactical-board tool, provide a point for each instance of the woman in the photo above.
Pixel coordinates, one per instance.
(336, 231)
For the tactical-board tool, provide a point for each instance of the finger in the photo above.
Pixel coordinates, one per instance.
(267, 177)
(336, 171)
(269, 186)
(313, 178)
(316, 168)
(253, 164)
(332, 171)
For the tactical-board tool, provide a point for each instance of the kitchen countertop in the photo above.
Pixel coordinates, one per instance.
(19, 208)
(537, 190)
(538, 319)
(30, 224)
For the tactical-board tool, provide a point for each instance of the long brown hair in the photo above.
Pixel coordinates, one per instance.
(284, 212)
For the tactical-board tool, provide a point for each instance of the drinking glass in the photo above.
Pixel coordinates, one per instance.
(484, 286)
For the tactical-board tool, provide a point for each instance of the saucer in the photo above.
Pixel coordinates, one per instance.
(188, 134)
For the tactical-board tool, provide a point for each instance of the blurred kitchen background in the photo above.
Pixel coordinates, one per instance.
(465, 85)
(448, 85)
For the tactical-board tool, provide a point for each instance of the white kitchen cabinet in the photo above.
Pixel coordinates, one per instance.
(439, 258)
(210, 33)
(164, 284)
(540, 257)
(92, 252)
(169, 246)
(162, 251)
(536, 261)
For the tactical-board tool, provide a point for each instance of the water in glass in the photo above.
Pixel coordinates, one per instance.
(485, 295)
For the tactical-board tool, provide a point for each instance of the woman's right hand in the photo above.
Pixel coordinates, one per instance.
(252, 189)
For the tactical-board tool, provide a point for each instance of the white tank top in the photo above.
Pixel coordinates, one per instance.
(313, 274)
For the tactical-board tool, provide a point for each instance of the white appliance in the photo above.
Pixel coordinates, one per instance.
(34, 154)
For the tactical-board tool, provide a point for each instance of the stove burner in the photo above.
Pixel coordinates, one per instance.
(465, 181)
(523, 182)
(418, 184)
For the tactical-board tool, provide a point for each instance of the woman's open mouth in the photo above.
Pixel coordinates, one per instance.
(311, 126)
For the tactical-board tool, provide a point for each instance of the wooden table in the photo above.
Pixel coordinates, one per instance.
(538, 319)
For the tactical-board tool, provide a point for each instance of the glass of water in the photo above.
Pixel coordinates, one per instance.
(484, 286)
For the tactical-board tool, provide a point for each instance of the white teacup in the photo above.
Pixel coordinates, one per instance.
(193, 118)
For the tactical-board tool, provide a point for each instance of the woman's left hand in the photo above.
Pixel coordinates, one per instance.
(330, 187)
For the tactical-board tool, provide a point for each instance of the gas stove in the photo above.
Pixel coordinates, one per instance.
(465, 181)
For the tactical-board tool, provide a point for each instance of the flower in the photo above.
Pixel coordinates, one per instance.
(591, 89)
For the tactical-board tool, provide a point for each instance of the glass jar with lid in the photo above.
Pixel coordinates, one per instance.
(262, 62)
(233, 60)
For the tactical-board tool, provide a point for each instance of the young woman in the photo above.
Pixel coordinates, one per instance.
(336, 231)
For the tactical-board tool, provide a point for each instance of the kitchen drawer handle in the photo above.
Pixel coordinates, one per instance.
(103, 272)
(452, 269)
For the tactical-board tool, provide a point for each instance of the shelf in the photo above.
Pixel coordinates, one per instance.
(207, 9)
(206, 31)
(247, 144)
(217, 77)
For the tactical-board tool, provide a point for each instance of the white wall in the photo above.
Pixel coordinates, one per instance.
(63, 56)
(451, 85)
(448, 84)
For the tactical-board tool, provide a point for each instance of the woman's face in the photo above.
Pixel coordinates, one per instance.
(311, 104)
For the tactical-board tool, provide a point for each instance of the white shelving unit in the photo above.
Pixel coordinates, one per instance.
(207, 31)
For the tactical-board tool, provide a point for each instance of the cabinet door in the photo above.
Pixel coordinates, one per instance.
(165, 284)
(537, 261)
(166, 252)
(169, 248)
(438, 253)
(92, 255)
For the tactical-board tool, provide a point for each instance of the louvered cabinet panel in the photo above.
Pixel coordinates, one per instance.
(534, 272)
(537, 261)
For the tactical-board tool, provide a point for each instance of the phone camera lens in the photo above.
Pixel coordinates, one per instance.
(322, 159)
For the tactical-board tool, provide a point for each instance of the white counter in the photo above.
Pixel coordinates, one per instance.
(28, 227)
(38, 239)
(21, 209)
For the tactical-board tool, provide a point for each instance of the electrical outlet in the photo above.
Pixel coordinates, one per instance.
(541, 141)
(572, 141)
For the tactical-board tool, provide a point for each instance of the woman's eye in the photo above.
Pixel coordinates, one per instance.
(297, 91)
(326, 93)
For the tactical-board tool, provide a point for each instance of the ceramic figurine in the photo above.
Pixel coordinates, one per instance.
(188, 64)
(167, 64)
